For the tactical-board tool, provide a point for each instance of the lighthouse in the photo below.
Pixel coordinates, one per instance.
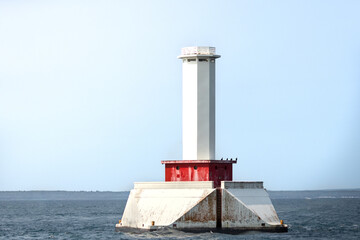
(198, 109)
(198, 114)
(199, 193)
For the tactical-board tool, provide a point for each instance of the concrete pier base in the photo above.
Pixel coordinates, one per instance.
(198, 207)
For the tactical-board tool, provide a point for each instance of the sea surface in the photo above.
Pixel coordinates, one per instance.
(93, 215)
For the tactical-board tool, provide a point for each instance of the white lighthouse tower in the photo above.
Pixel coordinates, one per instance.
(198, 102)
(198, 193)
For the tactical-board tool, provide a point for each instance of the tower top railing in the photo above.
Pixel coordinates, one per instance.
(198, 51)
(189, 52)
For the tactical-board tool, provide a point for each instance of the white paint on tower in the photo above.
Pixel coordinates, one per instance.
(198, 102)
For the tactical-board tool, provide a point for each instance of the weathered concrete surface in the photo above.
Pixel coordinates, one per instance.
(258, 201)
(198, 206)
(241, 185)
(203, 215)
(236, 214)
(161, 206)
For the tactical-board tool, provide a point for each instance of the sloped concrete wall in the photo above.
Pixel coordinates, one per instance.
(258, 201)
(236, 215)
(193, 206)
(162, 205)
(203, 215)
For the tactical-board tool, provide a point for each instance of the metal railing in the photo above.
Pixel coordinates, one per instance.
(198, 51)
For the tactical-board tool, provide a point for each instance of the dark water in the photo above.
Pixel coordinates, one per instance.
(92, 215)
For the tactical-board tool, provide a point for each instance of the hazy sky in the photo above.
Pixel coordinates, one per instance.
(90, 91)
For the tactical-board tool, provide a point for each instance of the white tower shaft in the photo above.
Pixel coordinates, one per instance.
(198, 103)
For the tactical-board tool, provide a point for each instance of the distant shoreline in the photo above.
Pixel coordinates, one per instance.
(99, 191)
(37, 195)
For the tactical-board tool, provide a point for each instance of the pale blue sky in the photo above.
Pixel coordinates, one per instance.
(90, 91)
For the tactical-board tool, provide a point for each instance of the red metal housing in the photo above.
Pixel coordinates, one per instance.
(199, 170)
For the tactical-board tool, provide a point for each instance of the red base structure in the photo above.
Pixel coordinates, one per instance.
(199, 170)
